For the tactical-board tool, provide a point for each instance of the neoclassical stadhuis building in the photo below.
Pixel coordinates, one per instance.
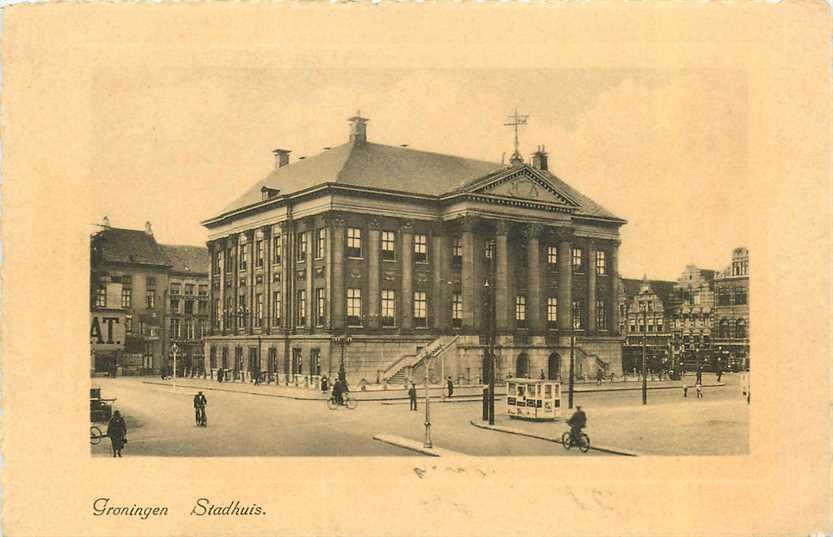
(397, 249)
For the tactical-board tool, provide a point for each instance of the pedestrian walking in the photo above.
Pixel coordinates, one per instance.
(599, 376)
(221, 374)
(412, 395)
(117, 431)
(699, 387)
(324, 383)
(450, 387)
(699, 375)
(719, 373)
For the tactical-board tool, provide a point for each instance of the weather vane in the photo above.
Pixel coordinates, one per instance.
(516, 121)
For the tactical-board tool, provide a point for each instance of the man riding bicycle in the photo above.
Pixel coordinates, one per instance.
(577, 422)
(199, 407)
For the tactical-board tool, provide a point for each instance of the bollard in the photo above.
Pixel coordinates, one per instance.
(485, 404)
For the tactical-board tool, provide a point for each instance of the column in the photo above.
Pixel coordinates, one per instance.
(441, 265)
(266, 232)
(250, 278)
(407, 234)
(211, 293)
(591, 288)
(286, 275)
(373, 274)
(534, 288)
(339, 297)
(565, 280)
(614, 287)
(311, 306)
(235, 283)
(471, 282)
(503, 298)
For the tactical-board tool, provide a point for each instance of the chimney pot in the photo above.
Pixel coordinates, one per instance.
(281, 157)
(148, 229)
(540, 158)
(358, 129)
(106, 221)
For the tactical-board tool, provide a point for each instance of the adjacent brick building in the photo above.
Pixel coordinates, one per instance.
(132, 279)
(732, 311)
(394, 247)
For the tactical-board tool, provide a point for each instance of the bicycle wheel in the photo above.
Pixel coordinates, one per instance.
(584, 446)
(331, 404)
(565, 441)
(352, 403)
(95, 435)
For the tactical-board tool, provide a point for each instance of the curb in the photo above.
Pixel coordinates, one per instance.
(413, 445)
(519, 432)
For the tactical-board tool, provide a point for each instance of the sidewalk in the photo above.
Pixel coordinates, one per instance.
(461, 393)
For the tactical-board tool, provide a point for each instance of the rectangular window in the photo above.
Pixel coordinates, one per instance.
(276, 308)
(302, 246)
(258, 310)
(175, 289)
(224, 358)
(490, 249)
(215, 263)
(354, 307)
(216, 313)
(175, 329)
(126, 297)
(189, 329)
(189, 289)
(242, 311)
(601, 315)
(577, 260)
(244, 257)
(420, 309)
(229, 260)
(174, 305)
(203, 290)
(101, 297)
(354, 242)
(457, 310)
(151, 282)
(302, 307)
(259, 253)
(388, 245)
(321, 306)
(552, 256)
(420, 248)
(601, 263)
(740, 297)
(520, 311)
(212, 360)
(457, 251)
(128, 324)
(189, 307)
(388, 308)
(578, 315)
(552, 312)
(150, 298)
(321, 243)
(277, 249)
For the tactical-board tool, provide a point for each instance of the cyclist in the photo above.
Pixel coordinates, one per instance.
(337, 391)
(345, 389)
(199, 407)
(577, 422)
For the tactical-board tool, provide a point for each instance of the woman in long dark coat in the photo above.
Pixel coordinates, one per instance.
(117, 431)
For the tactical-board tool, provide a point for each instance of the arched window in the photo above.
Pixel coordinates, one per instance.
(723, 329)
(740, 328)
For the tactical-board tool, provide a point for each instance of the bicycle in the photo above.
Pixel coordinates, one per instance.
(202, 419)
(95, 435)
(347, 401)
(582, 442)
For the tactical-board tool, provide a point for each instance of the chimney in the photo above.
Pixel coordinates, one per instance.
(539, 159)
(148, 229)
(106, 221)
(281, 157)
(358, 129)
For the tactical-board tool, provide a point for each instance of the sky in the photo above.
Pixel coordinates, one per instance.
(664, 149)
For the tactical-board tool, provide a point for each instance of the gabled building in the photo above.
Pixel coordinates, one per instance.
(398, 249)
(646, 313)
(693, 323)
(732, 312)
(130, 287)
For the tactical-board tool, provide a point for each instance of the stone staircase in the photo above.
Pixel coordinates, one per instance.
(397, 373)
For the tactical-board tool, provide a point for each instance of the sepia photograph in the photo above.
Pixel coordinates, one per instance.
(386, 269)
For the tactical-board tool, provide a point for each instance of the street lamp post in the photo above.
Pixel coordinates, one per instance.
(490, 309)
(571, 380)
(427, 443)
(644, 308)
(174, 350)
(342, 341)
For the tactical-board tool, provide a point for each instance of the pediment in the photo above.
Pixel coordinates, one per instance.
(525, 185)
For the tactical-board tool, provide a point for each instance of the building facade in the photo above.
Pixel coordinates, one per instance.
(646, 309)
(372, 258)
(132, 278)
(732, 312)
(693, 321)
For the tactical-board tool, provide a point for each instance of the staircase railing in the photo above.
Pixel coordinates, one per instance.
(435, 348)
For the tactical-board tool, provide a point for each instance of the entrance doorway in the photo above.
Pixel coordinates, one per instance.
(554, 366)
(522, 366)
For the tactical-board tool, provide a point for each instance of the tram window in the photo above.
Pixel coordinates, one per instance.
(521, 390)
(532, 390)
(548, 391)
(512, 389)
